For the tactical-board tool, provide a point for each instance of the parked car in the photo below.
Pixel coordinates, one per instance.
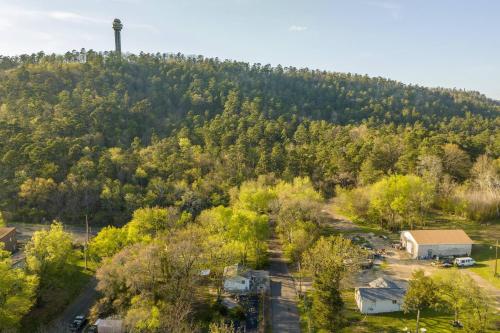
(367, 264)
(442, 264)
(367, 246)
(78, 323)
(92, 329)
(397, 246)
(464, 262)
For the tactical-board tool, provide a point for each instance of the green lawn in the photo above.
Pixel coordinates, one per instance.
(384, 323)
(393, 322)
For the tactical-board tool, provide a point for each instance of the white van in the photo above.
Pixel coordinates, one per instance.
(465, 261)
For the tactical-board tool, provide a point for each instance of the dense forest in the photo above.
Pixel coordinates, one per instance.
(109, 136)
(192, 163)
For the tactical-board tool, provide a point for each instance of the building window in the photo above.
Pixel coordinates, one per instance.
(394, 302)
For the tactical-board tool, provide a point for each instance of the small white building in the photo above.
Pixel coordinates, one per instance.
(109, 326)
(236, 279)
(430, 243)
(379, 299)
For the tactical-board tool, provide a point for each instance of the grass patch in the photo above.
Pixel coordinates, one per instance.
(433, 321)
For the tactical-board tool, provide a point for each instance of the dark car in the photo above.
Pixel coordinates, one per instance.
(78, 323)
(92, 329)
(367, 264)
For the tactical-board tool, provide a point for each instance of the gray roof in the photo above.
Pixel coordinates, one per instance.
(375, 294)
(383, 283)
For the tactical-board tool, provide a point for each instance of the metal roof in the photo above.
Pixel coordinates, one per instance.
(5, 231)
(379, 294)
(382, 283)
(430, 237)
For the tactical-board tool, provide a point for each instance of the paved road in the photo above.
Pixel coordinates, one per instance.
(81, 305)
(284, 313)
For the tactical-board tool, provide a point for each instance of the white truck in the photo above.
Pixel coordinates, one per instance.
(464, 262)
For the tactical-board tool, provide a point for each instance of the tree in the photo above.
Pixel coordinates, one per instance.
(108, 242)
(456, 162)
(479, 310)
(50, 255)
(154, 284)
(452, 288)
(330, 261)
(2, 221)
(398, 199)
(150, 222)
(420, 295)
(430, 168)
(17, 292)
(242, 231)
(462, 295)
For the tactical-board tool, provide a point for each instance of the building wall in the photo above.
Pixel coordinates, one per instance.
(417, 250)
(237, 283)
(380, 306)
(409, 243)
(10, 241)
(445, 250)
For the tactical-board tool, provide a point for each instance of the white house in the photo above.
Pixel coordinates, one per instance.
(430, 243)
(236, 279)
(379, 300)
(382, 296)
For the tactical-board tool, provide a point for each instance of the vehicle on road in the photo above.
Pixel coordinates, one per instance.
(78, 323)
(464, 262)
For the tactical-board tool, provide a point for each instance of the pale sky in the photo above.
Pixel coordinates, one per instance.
(447, 43)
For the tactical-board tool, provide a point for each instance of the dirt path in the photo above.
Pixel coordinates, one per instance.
(492, 291)
(284, 312)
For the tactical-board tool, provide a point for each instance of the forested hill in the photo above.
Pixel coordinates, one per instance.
(108, 136)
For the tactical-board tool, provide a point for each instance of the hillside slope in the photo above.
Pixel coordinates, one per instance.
(110, 135)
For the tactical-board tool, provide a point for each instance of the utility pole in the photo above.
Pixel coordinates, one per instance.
(86, 247)
(496, 258)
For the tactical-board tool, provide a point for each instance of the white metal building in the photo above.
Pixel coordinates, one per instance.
(379, 299)
(430, 243)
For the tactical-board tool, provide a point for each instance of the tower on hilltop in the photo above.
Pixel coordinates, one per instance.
(117, 27)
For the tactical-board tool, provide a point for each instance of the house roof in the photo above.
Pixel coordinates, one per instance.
(382, 283)
(235, 270)
(379, 294)
(5, 231)
(428, 237)
(115, 324)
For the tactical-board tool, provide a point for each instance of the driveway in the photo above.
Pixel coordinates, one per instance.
(284, 312)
